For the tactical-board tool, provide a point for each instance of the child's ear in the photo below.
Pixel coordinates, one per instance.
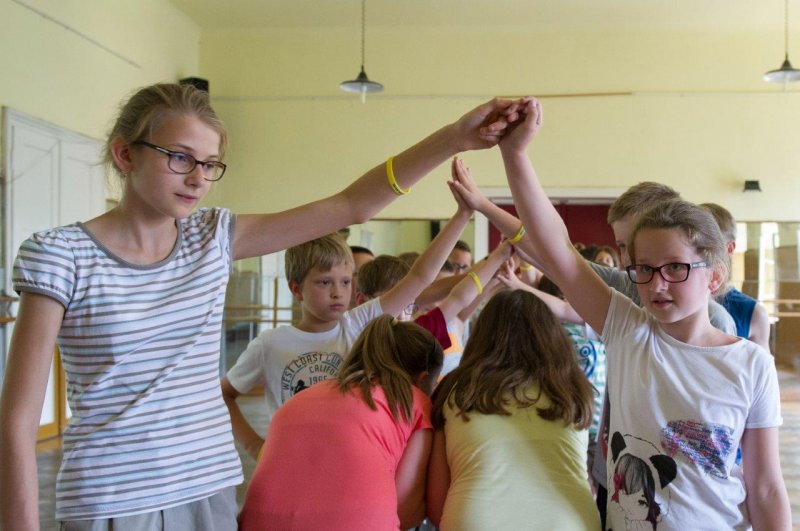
(716, 280)
(423, 381)
(296, 290)
(360, 298)
(121, 154)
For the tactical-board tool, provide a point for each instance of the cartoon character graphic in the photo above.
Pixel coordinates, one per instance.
(641, 477)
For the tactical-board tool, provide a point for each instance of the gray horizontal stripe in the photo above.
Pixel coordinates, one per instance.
(82, 406)
(73, 513)
(88, 425)
(122, 463)
(234, 468)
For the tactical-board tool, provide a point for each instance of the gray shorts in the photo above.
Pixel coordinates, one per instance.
(215, 513)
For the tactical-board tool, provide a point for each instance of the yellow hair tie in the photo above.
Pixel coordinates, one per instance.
(477, 281)
(525, 267)
(392, 181)
(518, 236)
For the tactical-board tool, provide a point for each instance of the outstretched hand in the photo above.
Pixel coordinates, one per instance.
(521, 132)
(464, 187)
(485, 125)
(463, 205)
(508, 277)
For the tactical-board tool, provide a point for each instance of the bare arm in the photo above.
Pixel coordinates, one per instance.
(467, 290)
(429, 263)
(547, 240)
(560, 308)
(260, 234)
(243, 432)
(410, 479)
(438, 478)
(767, 500)
(505, 222)
(759, 327)
(30, 358)
(437, 291)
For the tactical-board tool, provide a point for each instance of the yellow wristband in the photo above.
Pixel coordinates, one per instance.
(477, 281)
(525, 267)
(392, 181)
(518, 236)
(260, 451)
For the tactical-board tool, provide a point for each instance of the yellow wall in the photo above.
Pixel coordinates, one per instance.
(695, 113)
(77, 81)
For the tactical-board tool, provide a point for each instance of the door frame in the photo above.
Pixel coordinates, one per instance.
(500, 195)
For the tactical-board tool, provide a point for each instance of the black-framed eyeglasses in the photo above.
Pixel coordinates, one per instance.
(673, 272)
(183, 163)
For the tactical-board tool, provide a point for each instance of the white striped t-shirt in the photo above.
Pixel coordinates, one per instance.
(140, 347)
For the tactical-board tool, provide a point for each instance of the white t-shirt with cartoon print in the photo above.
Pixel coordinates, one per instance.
(286, 360)
(677, 417)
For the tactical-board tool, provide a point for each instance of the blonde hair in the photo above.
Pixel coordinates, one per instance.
(391, 354)
(517, 344)
(727, 225)
(638, 199)
(323, 253)
(144, 112)
(381, 274)
(696, 223)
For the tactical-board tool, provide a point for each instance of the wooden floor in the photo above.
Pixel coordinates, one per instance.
(49, 454)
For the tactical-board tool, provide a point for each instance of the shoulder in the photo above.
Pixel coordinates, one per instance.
(56, 240)
(217, 221)
(362, 314)
(207, 216)
(720, 317)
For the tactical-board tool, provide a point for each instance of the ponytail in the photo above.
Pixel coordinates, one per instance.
(391, 354)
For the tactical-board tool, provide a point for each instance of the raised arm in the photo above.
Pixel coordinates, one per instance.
(547, 241)
(505, 222)
(30, 357)
(260, 234)
(479, 275)
(429, 263)
(560, 308)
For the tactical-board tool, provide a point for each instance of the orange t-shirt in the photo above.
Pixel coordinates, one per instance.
(329, 462)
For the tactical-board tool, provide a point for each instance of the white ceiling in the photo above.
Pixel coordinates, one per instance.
(538, 15)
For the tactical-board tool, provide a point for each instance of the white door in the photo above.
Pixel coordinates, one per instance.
(54, 178)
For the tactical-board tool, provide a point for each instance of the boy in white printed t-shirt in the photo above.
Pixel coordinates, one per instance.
(288, 359)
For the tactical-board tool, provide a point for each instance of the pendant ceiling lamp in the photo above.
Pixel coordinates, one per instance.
(786, 73)
(361, 84)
